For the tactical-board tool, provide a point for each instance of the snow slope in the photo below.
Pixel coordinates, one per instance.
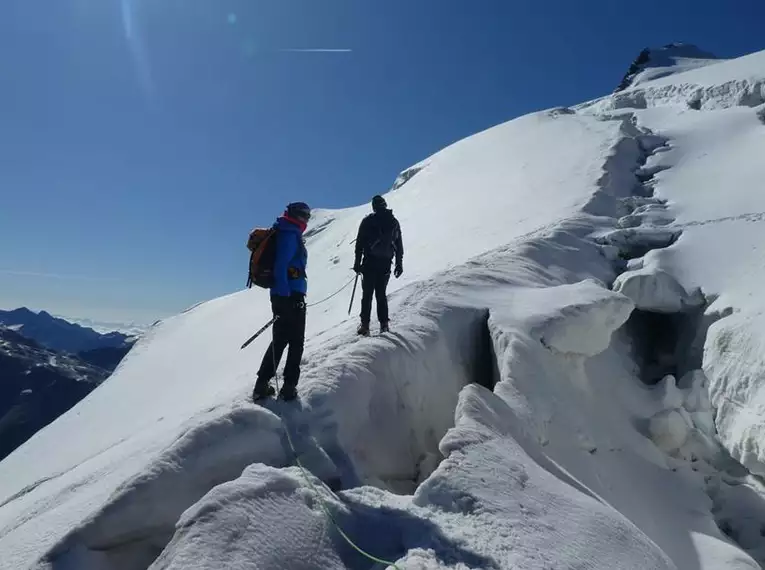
(712, 181)
(514, 238)
(737, 82)
(653, 64)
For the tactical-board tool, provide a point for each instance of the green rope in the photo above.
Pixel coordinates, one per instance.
(322, 501)
(328, 513)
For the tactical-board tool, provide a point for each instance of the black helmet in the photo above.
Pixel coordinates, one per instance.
(300, 211)
(379, 203)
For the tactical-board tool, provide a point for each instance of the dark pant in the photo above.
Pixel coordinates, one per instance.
(375, 276)
(289, 330)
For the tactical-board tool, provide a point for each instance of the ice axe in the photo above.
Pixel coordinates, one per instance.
(353, 294)
(260, 331)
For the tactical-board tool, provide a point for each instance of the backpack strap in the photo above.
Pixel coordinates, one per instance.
(250, 282)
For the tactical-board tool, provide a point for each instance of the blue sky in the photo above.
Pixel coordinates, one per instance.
(142, 139)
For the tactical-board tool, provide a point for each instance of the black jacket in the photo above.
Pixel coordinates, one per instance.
(380, 238)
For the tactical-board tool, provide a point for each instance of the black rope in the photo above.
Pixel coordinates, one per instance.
(343, 288)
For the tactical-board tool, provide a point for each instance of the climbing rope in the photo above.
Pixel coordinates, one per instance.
(322, 501)
(262, 329)
(343, 288)
(328, 513)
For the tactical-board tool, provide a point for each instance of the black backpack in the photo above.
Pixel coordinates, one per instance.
(384, 236)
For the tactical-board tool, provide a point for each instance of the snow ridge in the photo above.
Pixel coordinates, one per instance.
(657, 63)
(684, 427)
(721, 85)
(545, 384)
(514, 431)
(738, 93)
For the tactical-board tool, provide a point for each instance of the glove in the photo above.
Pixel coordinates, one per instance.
(398, 271)
(357, 267)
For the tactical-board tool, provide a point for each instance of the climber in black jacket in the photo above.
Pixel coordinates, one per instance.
(378, 242)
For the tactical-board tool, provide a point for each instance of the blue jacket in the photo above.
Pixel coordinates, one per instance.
(290, 261)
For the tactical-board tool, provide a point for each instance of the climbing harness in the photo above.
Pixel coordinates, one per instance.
(322, 501)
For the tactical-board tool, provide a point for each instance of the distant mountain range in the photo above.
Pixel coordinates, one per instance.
(47, 365)
(59, 334)
(130, 328)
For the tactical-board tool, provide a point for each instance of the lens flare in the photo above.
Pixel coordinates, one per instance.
(137, 48)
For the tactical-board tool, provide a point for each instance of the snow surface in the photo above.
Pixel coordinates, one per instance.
(712, 177)
(731, 83)
(571, 461)
(669, 60)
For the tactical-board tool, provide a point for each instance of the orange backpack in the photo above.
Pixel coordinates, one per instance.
(262, 245)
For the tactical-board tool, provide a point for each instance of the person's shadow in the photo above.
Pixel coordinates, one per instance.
(325, 460)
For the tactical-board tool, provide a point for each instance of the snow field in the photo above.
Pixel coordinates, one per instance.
(554, 317)
(561, 438)
(719, 85)
(658, 443)
(589, 452)
(709, 177)
(191, 367)
(440, 506)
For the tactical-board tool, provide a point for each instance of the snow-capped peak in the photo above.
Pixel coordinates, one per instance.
(660, 62)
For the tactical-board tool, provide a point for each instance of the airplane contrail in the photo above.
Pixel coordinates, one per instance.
(54, 275)
(317, 50)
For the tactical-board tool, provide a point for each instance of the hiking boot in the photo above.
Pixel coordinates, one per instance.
(363, 329)
(262, 391)
(384, 328)
(287, 393)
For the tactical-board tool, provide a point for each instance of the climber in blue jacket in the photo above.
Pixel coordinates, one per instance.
(287, 303)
